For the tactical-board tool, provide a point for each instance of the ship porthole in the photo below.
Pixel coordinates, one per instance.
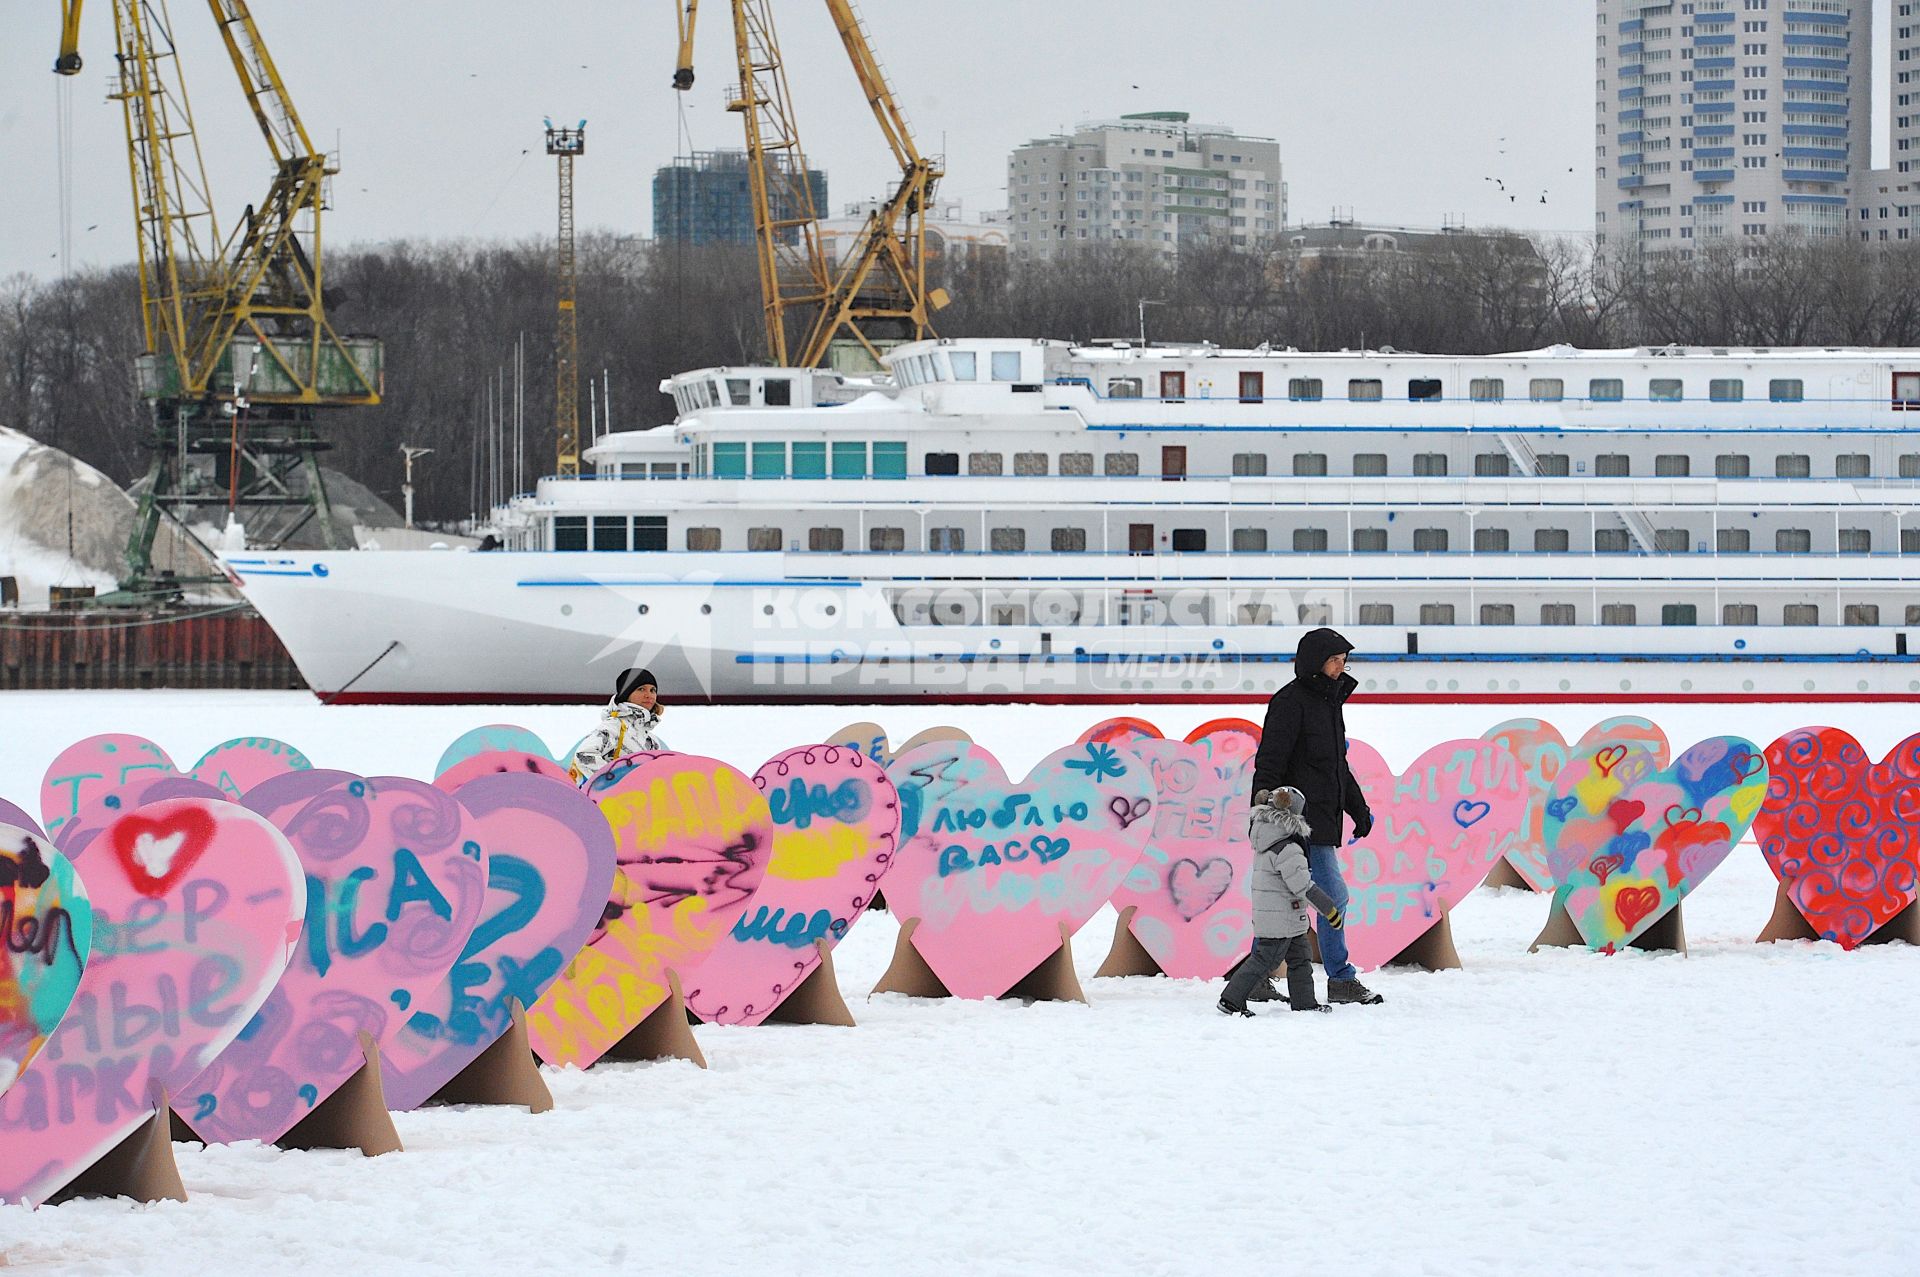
(643, 609)
(1913, 685)
(1862, 685)
(1513, 685)
(1564, 684)
(1747, 686)
(1369, 685)
(830, 609)
(1493, 685)
(1808, 685)
(1433, 685)
(1626, 685)
(1686, 685)
(566, 609)
(706, 609)
(767, 610)
(1393, 685)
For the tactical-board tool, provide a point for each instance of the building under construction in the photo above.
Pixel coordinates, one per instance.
(706, 198)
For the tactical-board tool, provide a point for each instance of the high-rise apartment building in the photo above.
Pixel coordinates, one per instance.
(705, 199)
(1155, 179)
(1730, 119)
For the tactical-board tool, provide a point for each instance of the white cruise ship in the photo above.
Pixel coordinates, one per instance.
(1034, 520)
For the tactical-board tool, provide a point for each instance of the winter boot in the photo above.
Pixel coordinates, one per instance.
(1352, 991)
(1267, 991)
(1234, 1008)
(1312, 1006)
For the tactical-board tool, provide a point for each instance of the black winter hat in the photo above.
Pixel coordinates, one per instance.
(629, 680)
(1315, 647)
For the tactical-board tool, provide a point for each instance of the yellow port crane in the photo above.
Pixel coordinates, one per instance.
(239, 353)
(879, 294)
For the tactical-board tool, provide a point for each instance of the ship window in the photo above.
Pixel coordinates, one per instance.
(810, 460)
(1550, 541)
(963, 364)
(1376, 614)
(1906, 390)
(1249, 464)
(1189, 540)
(769, 460)
(1910, 465)
(943, 463)
(1423, 390)
(1309, 464)
(1665, 390)
(1369, 540)
(1551, 464)
(1611, 541)
(826, 540)
(1006, 365)
(1800, 614)
(1490, 540)
(1007, 540)
(1726, 390)
(1253, 387)
(1123, 388)
(1612, 465)
(1306, 389)
(1429, 540)
(1786, 390)
(1734, 540)
(1122, 463)
(1069, 540)
(849, 460)
(1740, 614)
(1730, 465)
(947, 540)
(1251, 541)
(1436, 614)
(1493, 465)
(1672, 465)
(1792, 465)
(730, 460)
(890, 460)
(739, 391)
(609, 532)
(1369, 465)
(985, 462)
(1309, 540)
(1496, 614)
(703, 539)
(1430, 464)
(1853, 465)
(1076, 463)
(1910, 540)
(1619, 614)
(1856, 540)
(1671, 541)
(1256, 614)
(886, 540)
(628, 470)
(1606, 390)
(779, 392)
(1547, 389)
(1556, 614)
(1861, 614)
(1363, 390)
(765, 539)
(1679, 614)
(1793, 541)
(649, 532)
(1315, 613)
(1030, 464)
(570, 532)
(1487, 389)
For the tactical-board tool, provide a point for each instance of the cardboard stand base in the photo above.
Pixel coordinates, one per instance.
(504, 1073)
(878, 903)
(140, 1166)
(817, 1000)
(1127, 956)
(1669, 935)
(1903, 927)
(354, 1116)
(1432, 950)
(663, 1035)
(1788, 924)
(1505, 875)
(1054, 980)
(909, 973)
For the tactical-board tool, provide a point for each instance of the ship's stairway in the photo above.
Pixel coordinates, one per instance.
(1524, 460)
(1639, 527)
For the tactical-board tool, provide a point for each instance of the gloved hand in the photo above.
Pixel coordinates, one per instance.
(1323, 905)
(1363, 824)
(1263, 798)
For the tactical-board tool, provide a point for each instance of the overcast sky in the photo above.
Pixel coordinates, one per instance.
(1395, 110)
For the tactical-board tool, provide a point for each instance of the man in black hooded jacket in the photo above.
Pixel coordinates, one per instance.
(1304, 744)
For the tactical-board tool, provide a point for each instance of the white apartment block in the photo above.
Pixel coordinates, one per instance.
(1731, 119)
(1155, 179)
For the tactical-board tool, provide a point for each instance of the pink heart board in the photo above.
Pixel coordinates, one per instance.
(87, 779)
(46, 924)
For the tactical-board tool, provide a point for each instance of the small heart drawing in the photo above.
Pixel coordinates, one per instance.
(157, 852)
(1605, 760)
(1678, 815)
(1197, 888)
(1468, 814)
(1623, 812)
(1631, 904)
(1603, 867)
(1561, 808)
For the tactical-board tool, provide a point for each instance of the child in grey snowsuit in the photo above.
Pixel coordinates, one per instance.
(1282, 890)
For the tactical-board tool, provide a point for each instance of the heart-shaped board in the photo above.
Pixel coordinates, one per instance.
(197, 904)
(1123, 730)
(1226, 738)
(836, 820)
(550, 867)
(1438, 829)
(1542, 752)
(871, 740)
(396, 881)
(495, 749)
(46, 932)
(1840, 832)
(1627, 839)
(993, 869)
(87, 780)
(236, 766)
(693, 837)
(141, 791)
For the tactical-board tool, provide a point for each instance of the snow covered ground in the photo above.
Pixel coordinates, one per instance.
(1744, 1109)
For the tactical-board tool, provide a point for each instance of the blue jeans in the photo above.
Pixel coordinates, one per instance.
(1323, 864)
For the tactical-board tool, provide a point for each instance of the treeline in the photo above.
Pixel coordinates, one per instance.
(451, 315)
